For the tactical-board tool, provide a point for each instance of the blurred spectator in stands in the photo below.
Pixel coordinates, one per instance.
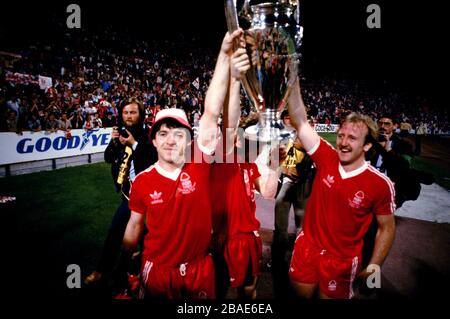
(77, 119)
(113, 109)
(109, 120)
(405, 128)
(96, 121)
(34, 124)
(14, 104)
(12, 121)
(421, 131)
(64, 123)
(43, 116)
(52, 124)
(87, 125)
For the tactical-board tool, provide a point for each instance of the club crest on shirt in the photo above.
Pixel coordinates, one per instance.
(332, 285)
(186, 185)
(156, 198)
(357, 200)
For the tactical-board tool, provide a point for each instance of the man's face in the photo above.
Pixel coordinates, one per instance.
(350, 142)
(171, 144)
(287, 120)
(130, 114)
(387, 124)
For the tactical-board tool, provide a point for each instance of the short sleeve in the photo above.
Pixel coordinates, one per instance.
(136, 202)
(323, 153)
(385, 201)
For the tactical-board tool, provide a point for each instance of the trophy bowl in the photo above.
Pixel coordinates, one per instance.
(273, 35)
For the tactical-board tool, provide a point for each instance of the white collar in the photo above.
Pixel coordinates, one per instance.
(170, 175)
(355, 172)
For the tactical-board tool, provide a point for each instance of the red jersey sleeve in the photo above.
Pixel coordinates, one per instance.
(256, 172)
(385, 202)
(323, 154)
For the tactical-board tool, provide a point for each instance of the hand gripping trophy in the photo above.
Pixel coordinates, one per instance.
(273, 36)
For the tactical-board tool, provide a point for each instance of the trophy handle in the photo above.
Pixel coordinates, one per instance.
(231, 15)
(299, 31)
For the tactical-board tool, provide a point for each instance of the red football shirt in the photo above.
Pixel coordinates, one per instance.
(177, 212)
(342, 204)
(233, 197)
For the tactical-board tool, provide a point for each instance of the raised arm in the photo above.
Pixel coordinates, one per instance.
(297, 111)
(217, 92)
(240, 63)
(268, 163)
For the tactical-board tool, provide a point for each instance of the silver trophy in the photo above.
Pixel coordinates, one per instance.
(273, 36)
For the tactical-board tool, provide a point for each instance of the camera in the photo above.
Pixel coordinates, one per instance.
(123, 131)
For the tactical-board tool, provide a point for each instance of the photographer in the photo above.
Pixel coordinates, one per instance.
(388, 123)
(129, 152)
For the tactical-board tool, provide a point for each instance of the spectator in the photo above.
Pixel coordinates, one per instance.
(52, 124)
(87, 125)
(96, 121)
(109, 120)
(12, 121)
(64, 123)
(34, 124)
(405, 128)
(421, 131)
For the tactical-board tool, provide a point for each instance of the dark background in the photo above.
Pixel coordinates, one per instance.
(407, 51)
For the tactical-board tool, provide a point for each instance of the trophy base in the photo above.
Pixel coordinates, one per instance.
(266, 135)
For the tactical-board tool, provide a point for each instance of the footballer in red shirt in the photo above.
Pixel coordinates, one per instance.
(347, 194)
(170, 199)
(236, 237)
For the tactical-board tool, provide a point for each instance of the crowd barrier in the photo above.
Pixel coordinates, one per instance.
(37, 151)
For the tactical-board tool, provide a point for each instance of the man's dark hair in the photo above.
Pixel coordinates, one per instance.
(170, 123)
(391, 116)
(284, 114)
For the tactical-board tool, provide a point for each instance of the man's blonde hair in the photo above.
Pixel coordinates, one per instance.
(372, 128)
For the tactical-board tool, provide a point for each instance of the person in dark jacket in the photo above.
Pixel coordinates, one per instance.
(129, 153)
(388, 123)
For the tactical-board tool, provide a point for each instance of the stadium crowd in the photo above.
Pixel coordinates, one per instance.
(91, 74)
(90, 81)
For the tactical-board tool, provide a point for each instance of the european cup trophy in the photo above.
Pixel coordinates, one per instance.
(273, 36)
